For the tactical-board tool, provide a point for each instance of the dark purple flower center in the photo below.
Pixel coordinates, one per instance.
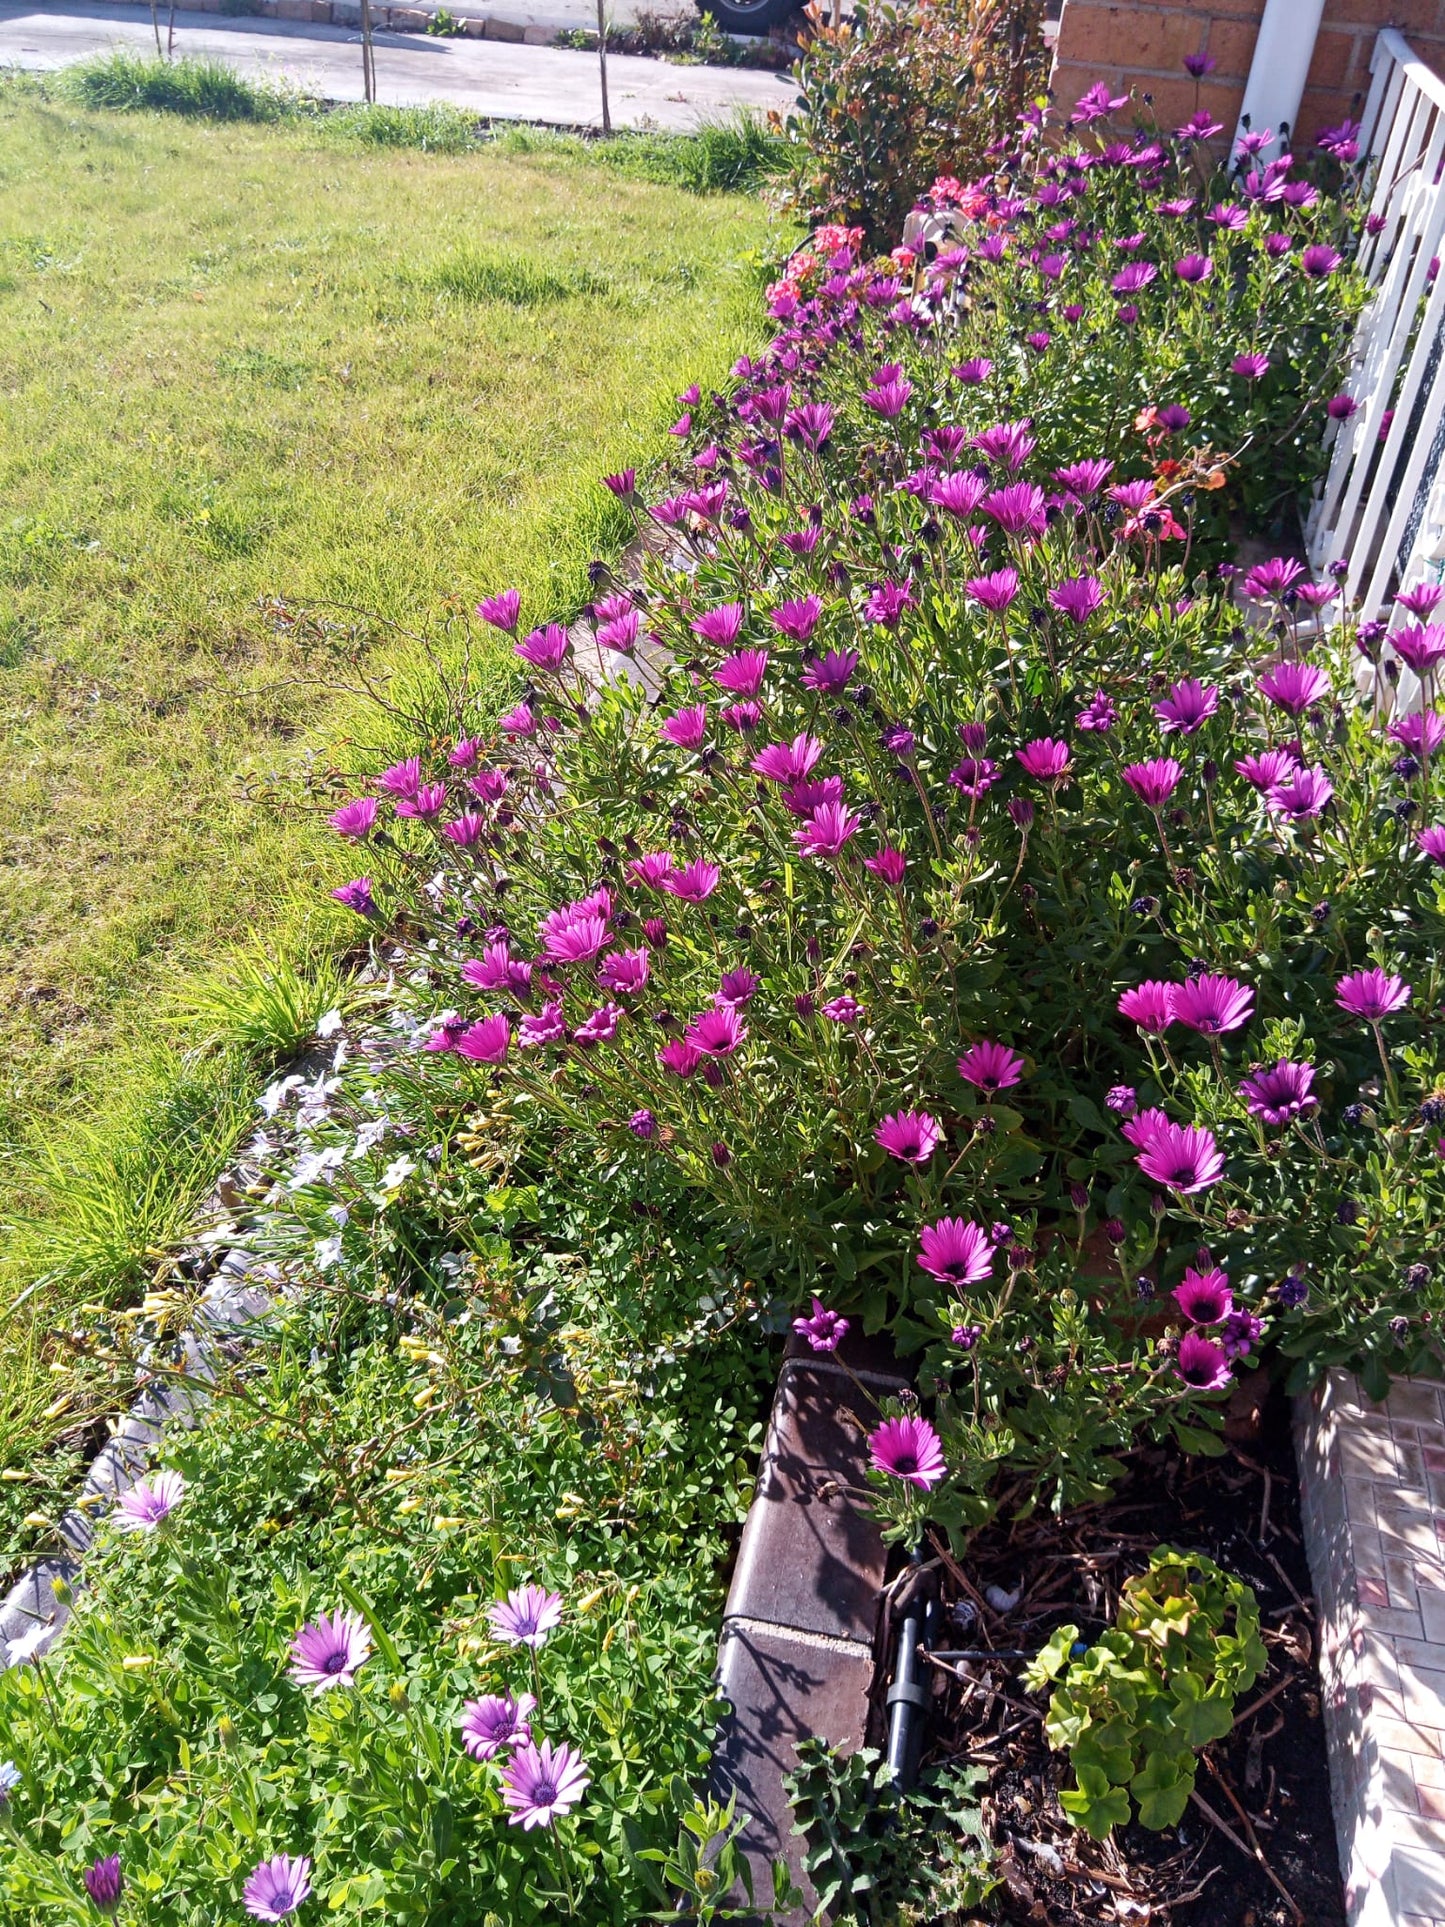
(335, 1662)
(544, 1794)
(905, 1462)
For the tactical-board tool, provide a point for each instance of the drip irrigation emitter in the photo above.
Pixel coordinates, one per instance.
(911, 1694)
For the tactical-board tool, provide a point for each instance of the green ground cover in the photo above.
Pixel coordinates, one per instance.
(248, 369)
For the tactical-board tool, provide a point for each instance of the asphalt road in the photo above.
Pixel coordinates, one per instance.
(493, 79)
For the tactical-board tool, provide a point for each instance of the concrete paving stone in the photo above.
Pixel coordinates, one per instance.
(1419, 1876)
(809, 1558)
(780, 1690)
(1417, 1401)
(1368, 1455)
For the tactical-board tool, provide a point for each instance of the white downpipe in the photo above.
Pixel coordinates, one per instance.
(1281, 64)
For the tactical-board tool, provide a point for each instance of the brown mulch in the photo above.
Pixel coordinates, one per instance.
(1266, 1785)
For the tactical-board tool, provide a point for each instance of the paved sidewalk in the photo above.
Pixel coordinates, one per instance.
(490, 78)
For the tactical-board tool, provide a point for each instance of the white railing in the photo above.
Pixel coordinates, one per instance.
(1382, 505)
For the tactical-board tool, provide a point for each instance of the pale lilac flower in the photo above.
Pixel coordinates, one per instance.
(10, 1777)
(277, 1887)
(542, 1783)
(329, 1651)
(494, 1722)
(991, 1067)
(1281, 1093)
(955, 1251)
(1201, 1363)
(1212, 1004)
(1187, 707)
(910, 1136)
(824, 1330)
(1204, 1297)
(526, 1616)
(149, 1503)
(1241, 1332)
(908, 1449)
(1371, 994)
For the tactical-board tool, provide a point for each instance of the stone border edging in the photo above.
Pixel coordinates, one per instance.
(1372, 1504)
(799, 1645)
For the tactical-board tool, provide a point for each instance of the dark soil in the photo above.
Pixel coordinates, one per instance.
(1269, 1777)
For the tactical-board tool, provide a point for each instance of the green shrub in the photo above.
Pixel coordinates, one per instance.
(899, 94)
(1132, 1711)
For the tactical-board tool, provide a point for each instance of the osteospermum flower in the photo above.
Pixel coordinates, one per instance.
(1212, 1004)
(149, 1503)
(277, 1887)
(1154, 782)
(542, 1783)
(329, 1651)
(1201, 1364)
(501, 611)
(827, 830)
(717, 1032)
(694, 882)
(1269, 768)
(1432, 842)
(355, 820)
(496, 1721)
(742, 674)
(1281, 1093)
(1187, 707)
(955, 1251)
(1183, 1157)
(526, 1616)
(824, 1329)
(687, 728)
(1149, 1005)
(829, 675)
(486, 1041)
(991, 1067)
(908, 1449)
(798, 619)
(1098, 715)
(1302, 794)
(1045, 760)
(1294, 686)
(1204, 1297)
(722, 627)
(1078, 597)
(1371, 994)
(888, 864)
(787, 762)
(910, 1136)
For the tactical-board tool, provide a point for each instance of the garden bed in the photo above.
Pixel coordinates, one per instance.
(1243, 1511)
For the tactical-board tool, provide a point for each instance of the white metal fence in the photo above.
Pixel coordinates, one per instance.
(1382, 505)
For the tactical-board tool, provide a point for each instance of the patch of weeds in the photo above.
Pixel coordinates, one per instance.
(474, 274)
(259, 365)
(434, 129)
(444, 25)
(208, 89)
(265, 1006)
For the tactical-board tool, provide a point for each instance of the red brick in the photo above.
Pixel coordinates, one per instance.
(1231, 42)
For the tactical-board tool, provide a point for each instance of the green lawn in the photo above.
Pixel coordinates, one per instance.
(241, 363)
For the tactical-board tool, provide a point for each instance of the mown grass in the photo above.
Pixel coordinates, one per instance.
(249, 369)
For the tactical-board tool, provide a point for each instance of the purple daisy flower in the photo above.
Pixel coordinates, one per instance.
(955, 1251)
(1212, 1004)
(910, 1136)
(1281, 1093)
(1294, 686)
(277, 1887)
(496, 1721)
(149, 1503)
(991, 1067)
(1204, 1297)
(1181, 1156)
(1077, 597)
(1149, 1005)
(824, 1330)
(526, 1616)
(355, 820)
(1045, 760)
(329, 1651)
(1187, 707)
(501, 610)
(1154, 782)
(1371, 994)
(908, 1449)
(486, 1041)
(542, 1783)
(1201, 1363)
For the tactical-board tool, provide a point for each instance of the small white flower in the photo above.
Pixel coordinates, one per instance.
(328, 1025)
(9, 1780)
(397, 1172)
(328, 1251)
(28, 1645)
(275, 1095)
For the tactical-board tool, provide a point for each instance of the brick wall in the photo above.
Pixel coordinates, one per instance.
(1141, 44)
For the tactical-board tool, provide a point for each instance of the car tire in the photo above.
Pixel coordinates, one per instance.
(749, 16)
